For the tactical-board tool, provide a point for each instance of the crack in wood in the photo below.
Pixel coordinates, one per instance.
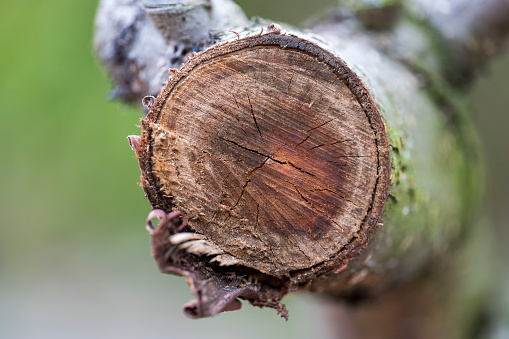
(249, 180)
(257, 167)
(241, 193)
(253, 115)
(309, 202)
(252, 150)
(323, 124)
(339, 226)
(303, 141)
(228, 113)
(236, 102)
(298, 168)
(269, 157)
(315, 147)
(212, 115)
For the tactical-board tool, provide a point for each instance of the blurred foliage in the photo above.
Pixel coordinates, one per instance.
(67, 170)
(74, 257)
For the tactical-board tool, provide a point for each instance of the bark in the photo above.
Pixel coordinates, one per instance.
(130, 39)
(340, 161)
(474, 32)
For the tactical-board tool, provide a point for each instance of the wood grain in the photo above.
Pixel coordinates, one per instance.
(269, 153)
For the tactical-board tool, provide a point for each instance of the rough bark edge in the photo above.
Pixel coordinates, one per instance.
(337, 262)
(216, 290)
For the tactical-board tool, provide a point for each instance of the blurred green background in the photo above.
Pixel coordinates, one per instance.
(74, 256)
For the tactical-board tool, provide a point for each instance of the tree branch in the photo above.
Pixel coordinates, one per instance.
(474, 31)
(344, 163)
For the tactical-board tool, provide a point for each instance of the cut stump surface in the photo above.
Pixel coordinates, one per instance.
(275, 151)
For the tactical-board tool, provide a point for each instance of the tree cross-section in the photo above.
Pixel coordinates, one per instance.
(282, 163)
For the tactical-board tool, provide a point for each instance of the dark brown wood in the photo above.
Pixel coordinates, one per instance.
(278, 164)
